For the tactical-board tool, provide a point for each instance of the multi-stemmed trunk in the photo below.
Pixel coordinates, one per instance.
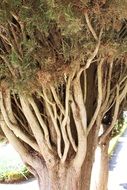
(60, 177)
(55, 129)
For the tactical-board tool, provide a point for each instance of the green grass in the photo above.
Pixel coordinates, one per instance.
(11, 175)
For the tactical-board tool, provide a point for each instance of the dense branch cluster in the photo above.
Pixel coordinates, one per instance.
(45, 64)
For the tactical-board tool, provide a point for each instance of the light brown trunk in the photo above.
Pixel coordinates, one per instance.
(89, 160)
(93, 135)
(59, 177)
(62, 179)
(103, 177)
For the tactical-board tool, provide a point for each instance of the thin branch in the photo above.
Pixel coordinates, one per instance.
(90, 26)
(108, 87)
(48, 105)
(20, 117)
(123, 93)
(41, 121)
(46, 98)
(85, 86)
(16, 40)
(55, 96)
(72, 141)
(112, 94)
(13, 126)
(95, 51)
(99, 99)
(35, 127)
(116, 110)
(16, 142)
(64, 122)
(59, 104)
(123, 80)
(93, 55)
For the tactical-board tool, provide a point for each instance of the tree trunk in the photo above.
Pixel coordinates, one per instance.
(93, 135)
(89, 160)
(103, 177)
(59, 178)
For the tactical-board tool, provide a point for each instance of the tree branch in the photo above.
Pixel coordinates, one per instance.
(82, 139)
(116, 110)
(78, 96)
(90, 26)
(80, 118)
(13, 125)
(60, 106)
(99, 99)
(93, 55)
(123, 93)
(41, 121)
(72, 141)
(108, 87)
(46, 152)
(54, 120)
(16, 142)
(85, 86)
(55, 96)
(64, 122)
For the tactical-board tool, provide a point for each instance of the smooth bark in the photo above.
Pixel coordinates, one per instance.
(58, 178)
(103, 176)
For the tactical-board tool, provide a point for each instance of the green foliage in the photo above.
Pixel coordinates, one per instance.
(14, 176)
(11, 167)
(118, 127)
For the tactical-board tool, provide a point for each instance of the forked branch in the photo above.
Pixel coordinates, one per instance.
(41, 121)
(55, 124)
(35, 127)
(16, 142)
(82, 139)
(116, 111)
(14, 126)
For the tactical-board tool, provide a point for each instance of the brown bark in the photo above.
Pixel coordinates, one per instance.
(58, 178)
(41, 174)
(93, 134)
(88, 163)
(103, 176)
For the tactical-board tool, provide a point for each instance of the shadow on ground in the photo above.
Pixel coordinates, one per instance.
(124, 185)
(113, 161)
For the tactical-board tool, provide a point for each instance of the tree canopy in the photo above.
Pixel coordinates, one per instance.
(41, 40)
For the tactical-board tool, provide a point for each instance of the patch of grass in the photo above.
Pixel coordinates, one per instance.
(12, 168)
(12, 176)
